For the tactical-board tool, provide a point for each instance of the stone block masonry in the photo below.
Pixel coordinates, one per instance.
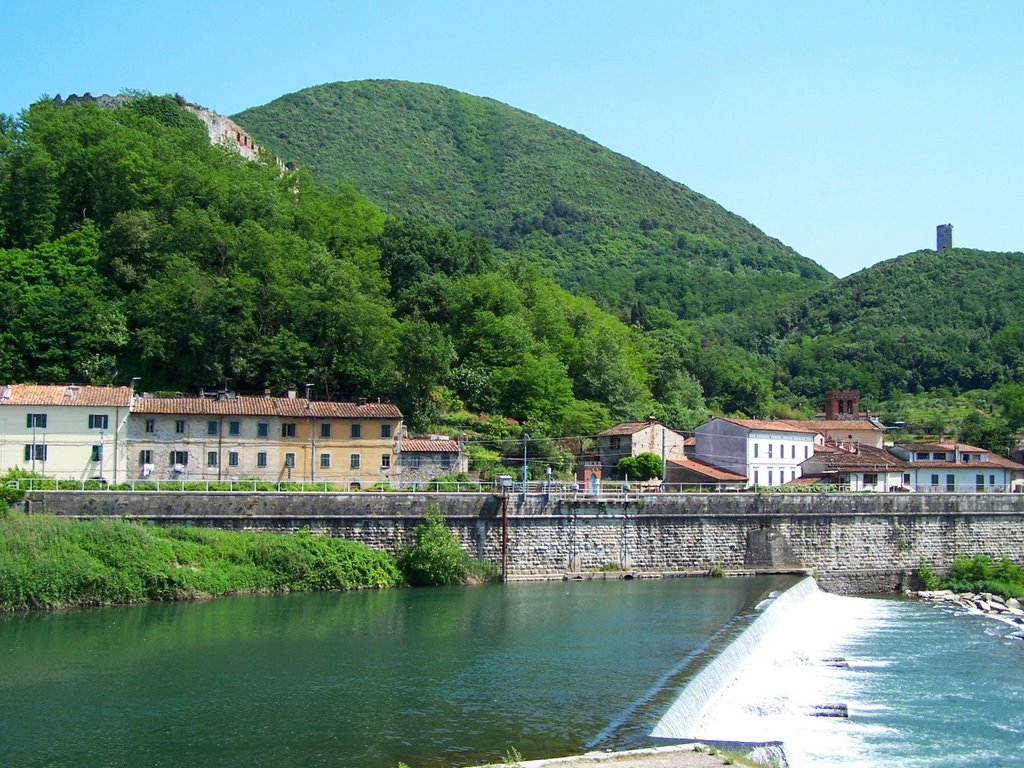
(851, 542)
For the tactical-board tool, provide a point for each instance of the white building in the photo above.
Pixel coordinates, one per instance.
(65, 432)
(956, 467)
(765, 452)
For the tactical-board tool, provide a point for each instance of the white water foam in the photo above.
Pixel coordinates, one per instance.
(771, 680)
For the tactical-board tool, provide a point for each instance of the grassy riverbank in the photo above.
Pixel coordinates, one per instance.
(49, 562)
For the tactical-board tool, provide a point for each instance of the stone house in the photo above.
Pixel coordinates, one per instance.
(634, 438)
(424, 458)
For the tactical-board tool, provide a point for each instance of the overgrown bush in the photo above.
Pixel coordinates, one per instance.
(436, 557)
(926, 576)
(981, 574)
(48, 562)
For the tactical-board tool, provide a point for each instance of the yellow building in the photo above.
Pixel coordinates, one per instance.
(227, 437)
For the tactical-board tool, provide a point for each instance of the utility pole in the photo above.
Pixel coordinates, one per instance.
(526, 437)
(312, 435)
(664, 468)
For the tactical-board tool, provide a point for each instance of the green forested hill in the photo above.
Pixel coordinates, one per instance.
(922, 321)
(601, 224)
(129, 246)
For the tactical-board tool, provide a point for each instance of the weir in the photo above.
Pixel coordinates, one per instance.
(682, 719)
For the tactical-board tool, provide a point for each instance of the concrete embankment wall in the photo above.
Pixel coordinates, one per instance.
(852, 542)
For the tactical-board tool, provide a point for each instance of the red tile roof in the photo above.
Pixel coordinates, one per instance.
(65, 394)
(626, 428)
(864, 459)
(708, 470)
(423, 445)
(769, 425)
(805, 480)
(942, 446)
(818, 425)
(288, 407)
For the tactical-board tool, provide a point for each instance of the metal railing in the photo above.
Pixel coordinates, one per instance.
(559, 490)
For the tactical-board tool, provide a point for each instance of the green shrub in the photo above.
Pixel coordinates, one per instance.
(926, 576)
(436, 557)
(51, 562)
(980, 574)
(644, 466)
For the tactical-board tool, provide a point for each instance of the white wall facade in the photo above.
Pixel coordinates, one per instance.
(64, 437)
(764, 455)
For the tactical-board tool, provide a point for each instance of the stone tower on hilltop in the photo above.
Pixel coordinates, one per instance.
(943, 237)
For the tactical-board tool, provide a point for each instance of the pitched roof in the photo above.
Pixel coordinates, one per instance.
(627, 428)
(425, 445)
(818, 425)
(65, 394)
(768, 425)
(709, 470)
(288, 407)
(864, 458)
(942, 446)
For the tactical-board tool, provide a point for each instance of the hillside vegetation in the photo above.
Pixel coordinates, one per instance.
(656, 253)
(131, 247)
(601, 224)
(922, 321)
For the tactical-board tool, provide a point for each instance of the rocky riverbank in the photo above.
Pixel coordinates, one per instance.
(994, 606)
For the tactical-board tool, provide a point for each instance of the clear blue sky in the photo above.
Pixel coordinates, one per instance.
(847, 130)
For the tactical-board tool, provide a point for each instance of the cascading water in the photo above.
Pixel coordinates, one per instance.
(783, 678)
(682, 719)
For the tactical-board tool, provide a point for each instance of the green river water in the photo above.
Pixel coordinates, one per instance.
(425, 676)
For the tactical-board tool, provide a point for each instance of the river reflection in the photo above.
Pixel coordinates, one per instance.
(426, 676)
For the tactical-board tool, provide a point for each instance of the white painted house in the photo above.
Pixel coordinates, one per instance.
(766, 452)
(960, 468)
(65, 431)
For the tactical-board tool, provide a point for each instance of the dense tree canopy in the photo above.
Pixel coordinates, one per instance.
(129, 246)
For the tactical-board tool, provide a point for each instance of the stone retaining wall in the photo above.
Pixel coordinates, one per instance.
(852, 542)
